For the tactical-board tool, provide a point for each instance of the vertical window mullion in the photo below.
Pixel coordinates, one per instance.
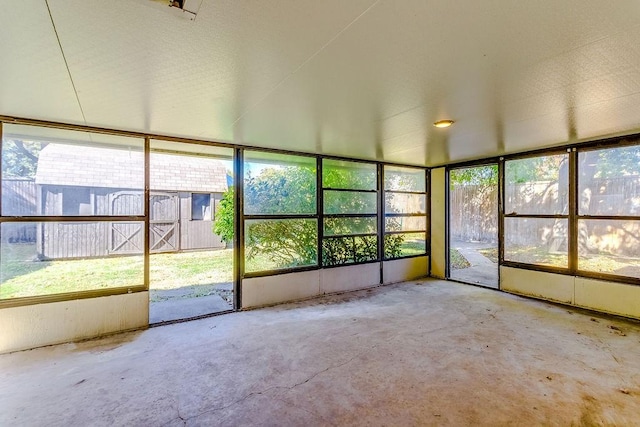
(319, 211)
(1, 171)
(238, 225)
(147, 219)
(447, 223)
(501, 193)
(381, 217)
(573, 211)
(427, 213)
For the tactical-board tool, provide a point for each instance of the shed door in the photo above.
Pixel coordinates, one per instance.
(125, 237)
(164, 224)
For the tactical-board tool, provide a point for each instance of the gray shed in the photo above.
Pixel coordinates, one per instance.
(87, 181)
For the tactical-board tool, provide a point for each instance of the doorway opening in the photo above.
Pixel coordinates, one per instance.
(190, 231)
(473, 225)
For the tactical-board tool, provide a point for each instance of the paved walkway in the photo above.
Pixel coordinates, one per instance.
(189, 301)
(185, 308)
(483, 271)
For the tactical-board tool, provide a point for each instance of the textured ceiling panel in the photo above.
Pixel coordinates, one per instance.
(34, 81)
(509, 73)
(358, 78)
(143, 67)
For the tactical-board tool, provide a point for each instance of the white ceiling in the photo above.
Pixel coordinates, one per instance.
(356, 78)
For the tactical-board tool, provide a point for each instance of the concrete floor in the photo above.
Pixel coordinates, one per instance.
(418, 353)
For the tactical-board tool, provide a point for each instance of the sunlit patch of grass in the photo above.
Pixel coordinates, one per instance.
(610, 264)
(598, 263)
(172, 270)
(412, 247)
(491, 253)
(535, 255)
(23, 275)
(30, 277)
(457, 261)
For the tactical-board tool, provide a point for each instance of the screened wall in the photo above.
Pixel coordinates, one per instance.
(85, 214)
(536, 205)
(350, 210)
(575, 212)
(72, 196)
(280, 212)
(405, 212)
(304, 212)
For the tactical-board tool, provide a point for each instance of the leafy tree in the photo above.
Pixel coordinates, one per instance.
(223, 225)
(282, 190)
(287, 243)
(334, 176)
(604, 174)
(614, 162)
(484, 176)
(20, 158)
(293, 242)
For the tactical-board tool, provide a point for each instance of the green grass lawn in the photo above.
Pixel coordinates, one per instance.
(23, 275)
(457, 260)
(605, 263)
(599, 263)
(166, 271)
(190, 274)
(535, 255)
(412, 247)
(491, 253)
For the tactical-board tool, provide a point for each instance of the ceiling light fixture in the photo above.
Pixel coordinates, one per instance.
(443, 123)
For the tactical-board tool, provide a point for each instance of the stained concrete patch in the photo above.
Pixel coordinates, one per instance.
(437, 354)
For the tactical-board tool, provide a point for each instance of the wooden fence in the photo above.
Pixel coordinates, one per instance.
(18, 198)
(474, 214)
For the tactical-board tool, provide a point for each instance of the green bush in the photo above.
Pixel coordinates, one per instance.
(346, 250)
(393, 245)
(293, 242)
(287, 243)
(223, 225)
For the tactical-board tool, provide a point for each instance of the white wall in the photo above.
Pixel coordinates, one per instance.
(609, 297)
(438, 215)
(349, 278)
(53, 323)
(263, 291)
(400, 270)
